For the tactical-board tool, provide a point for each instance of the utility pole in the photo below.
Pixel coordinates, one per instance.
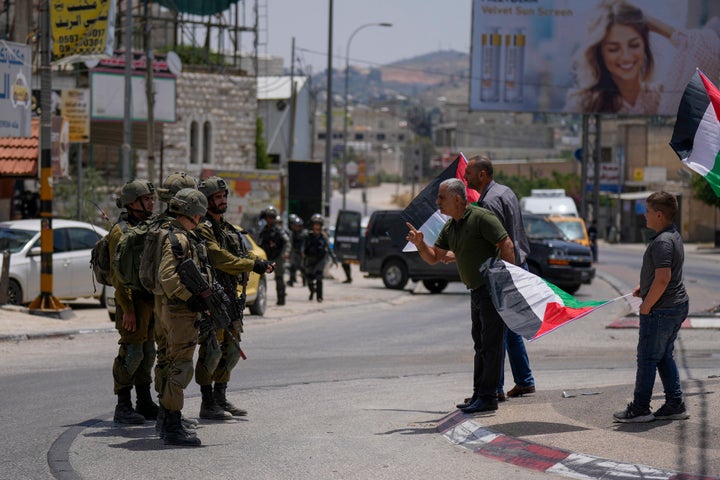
(149, 93)
(328, 114)
(127, 116)
(46, 304)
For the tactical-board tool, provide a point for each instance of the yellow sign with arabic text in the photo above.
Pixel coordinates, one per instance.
(82, 29)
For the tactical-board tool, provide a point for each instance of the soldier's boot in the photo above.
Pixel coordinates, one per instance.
(145, 405)
(175, 434)
(221, 399)
(124, 412)
(160, 422)
(281, 300)
(311, 286)
(209, 409)
(319, 291)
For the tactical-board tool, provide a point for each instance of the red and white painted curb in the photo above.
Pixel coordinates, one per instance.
(464, 431)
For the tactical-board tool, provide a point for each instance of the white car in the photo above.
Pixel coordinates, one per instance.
(72, 275)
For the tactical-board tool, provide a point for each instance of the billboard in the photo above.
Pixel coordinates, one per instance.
(81, 29)
(107, 86)
(589, 56)
(15, 94)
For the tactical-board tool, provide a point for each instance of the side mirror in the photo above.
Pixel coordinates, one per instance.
(34, 252)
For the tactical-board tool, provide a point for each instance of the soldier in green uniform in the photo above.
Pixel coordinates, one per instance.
(180, 310)
(232, 264)
(134, 316)
(172, 184)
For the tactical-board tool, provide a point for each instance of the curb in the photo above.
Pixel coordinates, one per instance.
(42, 335)
(463, 431)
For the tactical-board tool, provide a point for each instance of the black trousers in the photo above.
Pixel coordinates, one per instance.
(488, 330)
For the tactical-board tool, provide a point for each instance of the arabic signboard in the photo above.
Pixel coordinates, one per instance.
(577, 56)
(107, 86)
(76, 109)
(82, 29)
(15, 95)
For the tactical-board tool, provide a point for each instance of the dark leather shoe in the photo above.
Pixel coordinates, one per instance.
(518, 391)
(480, 405)
(465, 403)
(502, 397)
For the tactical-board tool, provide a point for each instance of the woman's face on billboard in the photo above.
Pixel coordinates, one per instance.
(623, 53)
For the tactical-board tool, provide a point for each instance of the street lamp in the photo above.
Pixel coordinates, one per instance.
(345, 116)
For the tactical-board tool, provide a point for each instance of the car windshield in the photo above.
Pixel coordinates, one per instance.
(14, 240)
(572, 230)
(542, 228)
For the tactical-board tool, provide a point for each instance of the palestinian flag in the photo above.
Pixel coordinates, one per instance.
(423, 212)
(696, 137)
(532, 307)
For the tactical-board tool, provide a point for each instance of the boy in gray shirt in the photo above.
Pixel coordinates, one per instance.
(664, 308)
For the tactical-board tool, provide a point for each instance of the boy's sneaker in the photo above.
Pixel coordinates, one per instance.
(672, 412)
(633, 415)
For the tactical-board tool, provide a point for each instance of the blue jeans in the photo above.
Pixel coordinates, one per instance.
(519, 362)
(656, 342)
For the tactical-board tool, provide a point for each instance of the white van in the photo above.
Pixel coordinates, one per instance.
(549, 202)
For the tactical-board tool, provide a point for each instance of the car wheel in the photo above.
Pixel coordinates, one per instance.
(260, 303)
(395, 274)
(435, 286)
(14, 294)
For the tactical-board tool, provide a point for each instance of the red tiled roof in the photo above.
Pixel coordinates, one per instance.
(19, 156)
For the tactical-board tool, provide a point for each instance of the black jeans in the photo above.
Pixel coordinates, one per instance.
(488, 330)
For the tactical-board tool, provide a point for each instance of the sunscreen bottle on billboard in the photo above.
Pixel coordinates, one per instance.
(490, 73)
(514, 66)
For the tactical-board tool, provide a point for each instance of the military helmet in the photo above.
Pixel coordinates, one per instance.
(133, 190)
(189, 202)
(212, 185)
(173, 183)
(270, 211)
(317, 218)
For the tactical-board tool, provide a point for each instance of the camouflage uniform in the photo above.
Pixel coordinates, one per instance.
(136, 355)
(230, 259)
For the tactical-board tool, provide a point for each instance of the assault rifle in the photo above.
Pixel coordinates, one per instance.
(215, 315)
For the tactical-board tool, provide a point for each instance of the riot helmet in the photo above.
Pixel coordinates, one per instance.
(317, 218)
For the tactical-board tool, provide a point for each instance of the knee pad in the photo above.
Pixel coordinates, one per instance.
(133, 357)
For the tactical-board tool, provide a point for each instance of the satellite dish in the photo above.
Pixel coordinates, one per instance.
(174, 63)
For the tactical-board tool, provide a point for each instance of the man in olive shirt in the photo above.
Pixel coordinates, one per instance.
(474, 234)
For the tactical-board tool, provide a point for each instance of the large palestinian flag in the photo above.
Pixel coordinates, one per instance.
(423, 212)
(696, 137)
(533, 307)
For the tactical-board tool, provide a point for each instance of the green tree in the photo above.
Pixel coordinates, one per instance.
(65, 196)
(703, 191)
(262, 160)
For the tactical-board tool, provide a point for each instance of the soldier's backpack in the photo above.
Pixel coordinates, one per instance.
(100, 260)
(152, 253)
(128, 256)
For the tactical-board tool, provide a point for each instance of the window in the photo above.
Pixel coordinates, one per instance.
(207, 142)
(194, 140)
(380, 137)
(60, 240)
(82, 238)
(321, 136)
(359, 136)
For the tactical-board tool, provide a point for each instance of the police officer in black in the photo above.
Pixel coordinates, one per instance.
(316, 250)
(276, 243)
(297, 238)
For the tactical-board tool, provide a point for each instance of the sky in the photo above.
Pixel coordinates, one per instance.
(419, 27)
